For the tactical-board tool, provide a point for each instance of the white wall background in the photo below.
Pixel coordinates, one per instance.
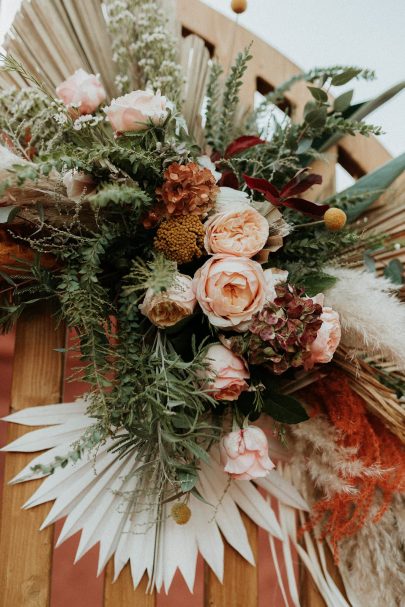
(368, 33)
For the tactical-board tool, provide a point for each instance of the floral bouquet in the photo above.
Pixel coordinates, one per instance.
(226, 317)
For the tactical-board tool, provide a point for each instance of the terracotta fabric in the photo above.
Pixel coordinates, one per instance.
(77, 584)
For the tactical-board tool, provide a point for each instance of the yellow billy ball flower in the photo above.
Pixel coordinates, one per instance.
(335, 219)
(239, 6)
(181, 513)
(181, 238)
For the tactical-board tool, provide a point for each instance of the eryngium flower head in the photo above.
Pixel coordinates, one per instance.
(282, 332)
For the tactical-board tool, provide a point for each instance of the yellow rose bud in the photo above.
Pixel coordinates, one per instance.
(239, 6)
(335, 219)
(181, 513)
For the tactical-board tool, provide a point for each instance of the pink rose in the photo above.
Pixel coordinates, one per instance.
(82, 89)
(78, 184)
(226, 373)
(168, 308)
(243, 233)
(136, 110)
(230, 290)
(245, 454)
(327, 339)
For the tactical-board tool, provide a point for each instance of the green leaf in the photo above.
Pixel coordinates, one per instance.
(284, 409)
(395, 272)
(187, 480)
(317, 282)
(359, 111)
(316, 118)
(342, 102)
(369, 263)
(345, 76)
(318, 94)
(369, 187)
(8, 213)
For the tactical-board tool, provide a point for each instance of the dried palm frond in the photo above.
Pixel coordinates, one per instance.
(195, 60)
(381, 400)
(53, 38)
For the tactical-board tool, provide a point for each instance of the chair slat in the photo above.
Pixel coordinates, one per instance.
(26, 554)
(240, 587)
(122, 593)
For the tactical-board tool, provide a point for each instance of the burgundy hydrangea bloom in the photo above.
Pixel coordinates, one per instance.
(281, 334)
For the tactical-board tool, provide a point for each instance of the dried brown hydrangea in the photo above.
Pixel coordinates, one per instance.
(180, 239)
(188, 189)
(281, 334)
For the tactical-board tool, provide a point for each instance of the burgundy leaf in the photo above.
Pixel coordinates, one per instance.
(300, 183)
(269, 191)
(241, 144)
(306, 206)
(229, 180)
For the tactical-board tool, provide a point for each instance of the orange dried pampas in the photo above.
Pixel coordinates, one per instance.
(381, 457)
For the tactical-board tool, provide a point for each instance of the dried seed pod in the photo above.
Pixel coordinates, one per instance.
(239, 6)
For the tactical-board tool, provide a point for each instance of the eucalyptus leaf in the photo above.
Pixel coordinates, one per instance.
(318, 94)
(369, 187)
(284, 409)
(359, 111)
(395, 272)
(369, 263)
(8, 213)
(316, 118)
(345, 76)
(342, 102)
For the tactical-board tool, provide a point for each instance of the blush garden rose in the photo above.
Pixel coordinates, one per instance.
(245, 454)
(136, 111)
(226, 373)
(242, 233)
(230, 290)
(82, 91)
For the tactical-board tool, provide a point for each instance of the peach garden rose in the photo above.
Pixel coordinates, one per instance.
(230, 290)
(82, 90)
(242, 233)
(245, 454)
(226, 372)
(168, 308)
(136, 111)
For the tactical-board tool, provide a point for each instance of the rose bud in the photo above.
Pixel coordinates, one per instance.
(245, 454)
(169, 307)
(78, 184)
(226, 374)
(82, 90)
(136, 111)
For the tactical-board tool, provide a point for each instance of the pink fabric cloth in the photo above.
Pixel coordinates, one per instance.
(77, 584)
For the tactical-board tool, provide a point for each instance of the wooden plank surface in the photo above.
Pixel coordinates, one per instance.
(241, 583)
(122, 593)
(26, 553)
